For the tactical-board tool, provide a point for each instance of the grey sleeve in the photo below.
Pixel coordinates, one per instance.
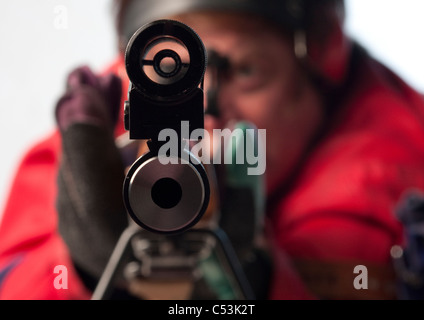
(91, 212)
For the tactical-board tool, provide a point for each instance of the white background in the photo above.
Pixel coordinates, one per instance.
(39, 48)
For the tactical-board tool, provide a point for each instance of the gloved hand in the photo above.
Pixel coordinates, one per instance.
(91, 212)
(89, 99)
(409, 260)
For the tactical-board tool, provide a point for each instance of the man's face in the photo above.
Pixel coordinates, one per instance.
(264, 85)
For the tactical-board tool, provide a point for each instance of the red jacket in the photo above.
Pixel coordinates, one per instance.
(340, 208)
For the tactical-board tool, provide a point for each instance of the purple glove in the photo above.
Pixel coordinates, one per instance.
(89, 99)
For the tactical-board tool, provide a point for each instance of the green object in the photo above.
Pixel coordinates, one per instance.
(245, 137)
(216, 277)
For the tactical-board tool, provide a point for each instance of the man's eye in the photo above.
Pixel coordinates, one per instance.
(246, 71)
(248, 77)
